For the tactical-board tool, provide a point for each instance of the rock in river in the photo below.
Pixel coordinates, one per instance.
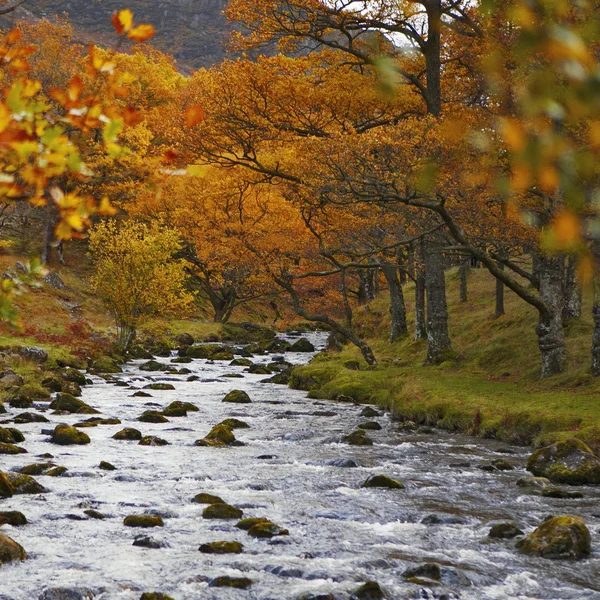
(222, 511)
(143, 521)
(558, 537)
(64, 435)
(10, 550)
(237, 397)
(221, 548)
(382, 481)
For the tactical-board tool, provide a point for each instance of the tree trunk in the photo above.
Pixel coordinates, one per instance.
(596, 314)
(432, 52)
(366, 287)
(48, 237)
(535, 270)
(420, 325)
(397, 307)
(499, 295)
(463, 270)
(438, 339)
(551, 337)
(572, 307)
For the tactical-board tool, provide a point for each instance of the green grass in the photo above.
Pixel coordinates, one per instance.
(491, 388)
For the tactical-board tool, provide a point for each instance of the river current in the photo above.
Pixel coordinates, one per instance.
(294, 470)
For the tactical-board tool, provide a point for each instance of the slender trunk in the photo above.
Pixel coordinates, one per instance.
(397, 307)
(572, 308)
(551, 337)
(125, 336)
(535, 270)
(499, 295)
(366, 288)
(420, 325)
(463, 270)
(48, 235)
(432, 52)
(438, 339)
(596, 314)
(347, 307)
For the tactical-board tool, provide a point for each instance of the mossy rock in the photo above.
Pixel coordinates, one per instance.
(153, 365)
(266, 530)
(53, 383)
(129, 433)
(152, 416)
(237, 397)
(238, 583)
(370, 590)
(302, 345)
(204, 498)
(429, 571)
(558, 537)
(73, 375)
(241, 362)
(277, 345)
(13, 517)
(68, 403)
(382, 481)
(140, 394)
(185, 339)
(29, 417)
(250, 522)
(152, 440)
(570, 462)
(56, 472)
(70, 387)
(8, 436)
(145, 521)
(219, 435)
(221, 548)
(17, 435)
(502, 465)
(6, 490)
(155, 596)
(199, 351)
(278, 378)
(504, 531)
(27, 394)
(105, 364)
(95, 421)
(36, 468)
(358, 438)
(11, 449)
(174, 411)
(247, 332)
(182, 360)
(530, 482)
(258, 369)
(159, 386)
(106, 466)
(221, 356)
(562, 494)
(94, 514)
(138, 351)
(24, 484)
(64, 435)
(10, 551)
(87, 410)
(370, 426)
(234, 424)
(222, 511)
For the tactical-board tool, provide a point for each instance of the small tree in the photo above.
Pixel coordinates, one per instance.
(136, 275)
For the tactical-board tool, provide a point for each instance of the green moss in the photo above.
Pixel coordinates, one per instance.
(240, 583)
(11, 449)
(155, 596)
(159, 386)
(237, 397)
(25, 484)
(152, 416)
(105, 364)
(382, 481)
(10, 551)
(266, 530)
(234, 424)
(222, 511)
(6, 490)
(219, 435)
(204, 498)
(221, 548)
(64, 435)
(358, 438)
(152, 440)
(13, 517)
(558, 537)
(128, 434)
(250, 522)
(144, 521)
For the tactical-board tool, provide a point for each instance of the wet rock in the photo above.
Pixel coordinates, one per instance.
(237, 397)
(174, 410)
(73, 375)
(139, 352)
(454, 578)
(317, 597)
(155, 596)
(153, 365)
(382, 481)
(250, 522)
(70, 387)
(427, 571)
(221, 356)
(33, 354)
(198, 351)
(487, 468)
(150, 542)
(530, 482)
(369, 412)
(52, 383)
(10, 551)
(56, 472)
(60, 593)
(558, 537)
(106, 466)
(24, 484)
(240, 583)
(370, 426)
(342, 463)
(558, 493)
(13, 517)
(11, 449)
(36, 468)
(182, 360)
(68, 403)
(188, 406)
(408, 427)
(570, 462)
(159, 386)
(302, 345)
(28, 417)
(358, 438)
(152, 416)
(266, 530)
(222, 511)
(278, 378)
(185, 339)
(370, 590)
(11, 435)
(221, 548)
(241, 362)
(95, 421)
(152, 440)
(259, 369)
(143, 521)
(94, 514)
(504, 531)
(105, 364)
(64, 435)
(233, 423)
(128, 434)
(141, 394)
(502, 465)
(437, 520)
(204, 498)
(10, 380)
(219, 435)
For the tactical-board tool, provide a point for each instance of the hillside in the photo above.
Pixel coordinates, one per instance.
(194, 31)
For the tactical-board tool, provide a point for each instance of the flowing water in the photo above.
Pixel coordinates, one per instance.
(341, 535)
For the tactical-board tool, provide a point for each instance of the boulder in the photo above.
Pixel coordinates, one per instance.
(105, 364)
(382, 481)
(558, 537)
(94, 514)
(10, 550)
(36, 468)
(370, 590)
(143, 521)
(53, 383)
(29, 417)
(266, 530)
(11, 449)
(247, 524)
(152, 440)
(234, 424)
(237, 397)
(10, 435)
(106, 466)
(159, 386)
(429, 571)
(570, 461)
(504, 531)
(358, 438)
(222, 511)
(128, 434)
(149, 542)
(24, 484)
(61, 593)
(219, 435)
(532, 483)
(10, 380)
(302, 345)
(13, 517)
(185, 339)
(6, 490)
(370, 426)
(70, 387)
(74, 375)
(68, 403)
(199, 351)
(33, 354)
(221, 548)
(152, 416)
(240, 583)
(204, 498)
(241, 362)
(153, 365)
(64, 435)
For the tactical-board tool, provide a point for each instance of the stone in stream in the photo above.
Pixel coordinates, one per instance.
(221, 548)
(36, 468)
(240, 583)
(219, 435)
(24, 484)
(558, 537)
(382, 481)
(155, 596)
(250, 522)
(29, 417)
(95, 421)
(204, 498)
(266, 530)
(570, 462)
(222, 511)
(106, 466)
(302, 345)
(530, 482)
(11, 435)
(241, 362)
(317, 597)
(73, 375)
(64, 435)
(152, 440)
(68, 403)
(504, 531)
(141, 394)
(153, 365)
(234, 424)
(56, 472)
(13, 517)
(502, 465)
(61, 593)
(70, 387)
(11, 449)
(370, 426)
(143, 521)
(428, 571)
(150, 542)
(369, 412)
(128, 434)
(259, 369)
(94, 514)
(159, 386)
(105, 364)
(370, 590)
(10, 551)
(152, 416)
(358, 438)
(237, 397)
(174, 410)
(558, 493)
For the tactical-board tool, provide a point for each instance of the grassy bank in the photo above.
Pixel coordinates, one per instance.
(491, 388)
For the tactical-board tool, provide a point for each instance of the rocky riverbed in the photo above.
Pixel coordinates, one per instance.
(329, 535)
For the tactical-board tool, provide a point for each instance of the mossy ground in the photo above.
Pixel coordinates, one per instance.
(490, 387)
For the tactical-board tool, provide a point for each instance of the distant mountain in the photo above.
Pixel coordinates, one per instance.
(194, 31)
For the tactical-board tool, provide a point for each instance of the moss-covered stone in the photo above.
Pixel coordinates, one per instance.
(382, 481)
(504, 531)
(68, 403)
(204, 498)
(11, 449)
(159, 386)
(129, 433)
(530, 482)
(302, 345)
(250, 522)
(153, 365)
(155, 596)
(219, 435)
(106, 466)
(241, 362)
(427, 570)
(570, 461)
(56, 472)
(199, 351)
(143, 521)
(64, 435)
(152, 416)
(237, 397)
(10, 551)
(24, 484)
(53, 383)
(94, 514)
(182, 360)
(36, 468)
(73, 375)
(175, 409)
(8, 436)
(70, 387)
(29, 417)
(266, 530)
(370, 590)
(152, 440)
(239, 583)
(95, 421)
(370, 426)
(234, 424)
(140, 394)
(13, 517)
(105, 364)
(221, 356)
(6, 490)
(558, 493)
(259, 369)
(558, 537)
(222, 511)
(502, 465)
(221, 548)
(358, 438)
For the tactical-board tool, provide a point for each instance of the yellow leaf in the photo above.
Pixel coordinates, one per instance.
(566, 228)
(122, 21)
(194, 115)
(141, 33)
(105, 208)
